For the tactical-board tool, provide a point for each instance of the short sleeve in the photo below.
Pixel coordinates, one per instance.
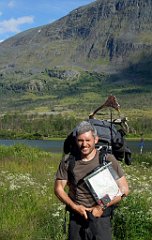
(62, 171)
(116, 165)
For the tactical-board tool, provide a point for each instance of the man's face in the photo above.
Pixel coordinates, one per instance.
(86, 143)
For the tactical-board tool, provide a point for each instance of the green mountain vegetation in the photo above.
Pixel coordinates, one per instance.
(70, 67)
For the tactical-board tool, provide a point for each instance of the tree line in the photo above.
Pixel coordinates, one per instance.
(37, 126)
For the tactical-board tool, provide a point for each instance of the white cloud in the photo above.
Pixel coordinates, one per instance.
(11, 4)
(13, 25)
(1, 13)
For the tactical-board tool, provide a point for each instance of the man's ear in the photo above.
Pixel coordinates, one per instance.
(96, 139)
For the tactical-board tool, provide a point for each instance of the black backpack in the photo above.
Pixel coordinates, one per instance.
(111, 133)
(110, 136)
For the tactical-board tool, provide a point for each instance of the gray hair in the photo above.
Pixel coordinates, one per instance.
(84, 127)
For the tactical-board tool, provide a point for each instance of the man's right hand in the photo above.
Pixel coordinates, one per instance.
(82, 210)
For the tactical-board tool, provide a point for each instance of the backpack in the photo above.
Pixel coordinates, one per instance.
(111, 133)
(110, 136)
(113, 136)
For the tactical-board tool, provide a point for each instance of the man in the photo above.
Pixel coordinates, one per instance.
(88, 220)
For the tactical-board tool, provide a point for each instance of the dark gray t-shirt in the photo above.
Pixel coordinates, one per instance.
(81, 193)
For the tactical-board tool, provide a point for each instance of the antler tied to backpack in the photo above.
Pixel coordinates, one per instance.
(110, 102)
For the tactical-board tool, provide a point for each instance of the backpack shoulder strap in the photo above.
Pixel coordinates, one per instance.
(103, 155)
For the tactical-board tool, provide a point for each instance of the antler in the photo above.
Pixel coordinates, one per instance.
(110, 102)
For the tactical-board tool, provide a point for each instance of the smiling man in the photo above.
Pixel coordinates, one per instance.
(88, 220)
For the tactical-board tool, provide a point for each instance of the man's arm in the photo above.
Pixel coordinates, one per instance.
(61, 194)
(123, 185)
(63, 197)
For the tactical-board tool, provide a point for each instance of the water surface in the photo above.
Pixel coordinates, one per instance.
(56, 146)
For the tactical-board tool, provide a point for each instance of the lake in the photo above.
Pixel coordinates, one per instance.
(47, 145)
(56, 146)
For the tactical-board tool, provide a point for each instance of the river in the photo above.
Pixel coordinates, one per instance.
(56, 146)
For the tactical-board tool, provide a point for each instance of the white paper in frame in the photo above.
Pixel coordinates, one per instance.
(101, 183)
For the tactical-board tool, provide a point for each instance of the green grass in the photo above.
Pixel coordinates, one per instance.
(30, 211)
(133, 219)
(28, 203)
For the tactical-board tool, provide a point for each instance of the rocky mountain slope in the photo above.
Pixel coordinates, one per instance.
(93, 36)
(113, 37)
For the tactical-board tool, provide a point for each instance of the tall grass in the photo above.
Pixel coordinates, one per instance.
(30, 211)
(133, 218)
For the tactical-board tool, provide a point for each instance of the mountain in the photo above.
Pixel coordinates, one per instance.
(105, 42)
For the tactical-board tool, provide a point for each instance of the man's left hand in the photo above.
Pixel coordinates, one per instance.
(97, 211)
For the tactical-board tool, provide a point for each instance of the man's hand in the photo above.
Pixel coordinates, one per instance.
(82, 210)
(97, 211)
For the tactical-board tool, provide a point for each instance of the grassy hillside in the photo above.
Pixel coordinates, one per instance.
(73, 90)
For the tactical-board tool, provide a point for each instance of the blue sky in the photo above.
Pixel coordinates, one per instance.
(19, 15)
